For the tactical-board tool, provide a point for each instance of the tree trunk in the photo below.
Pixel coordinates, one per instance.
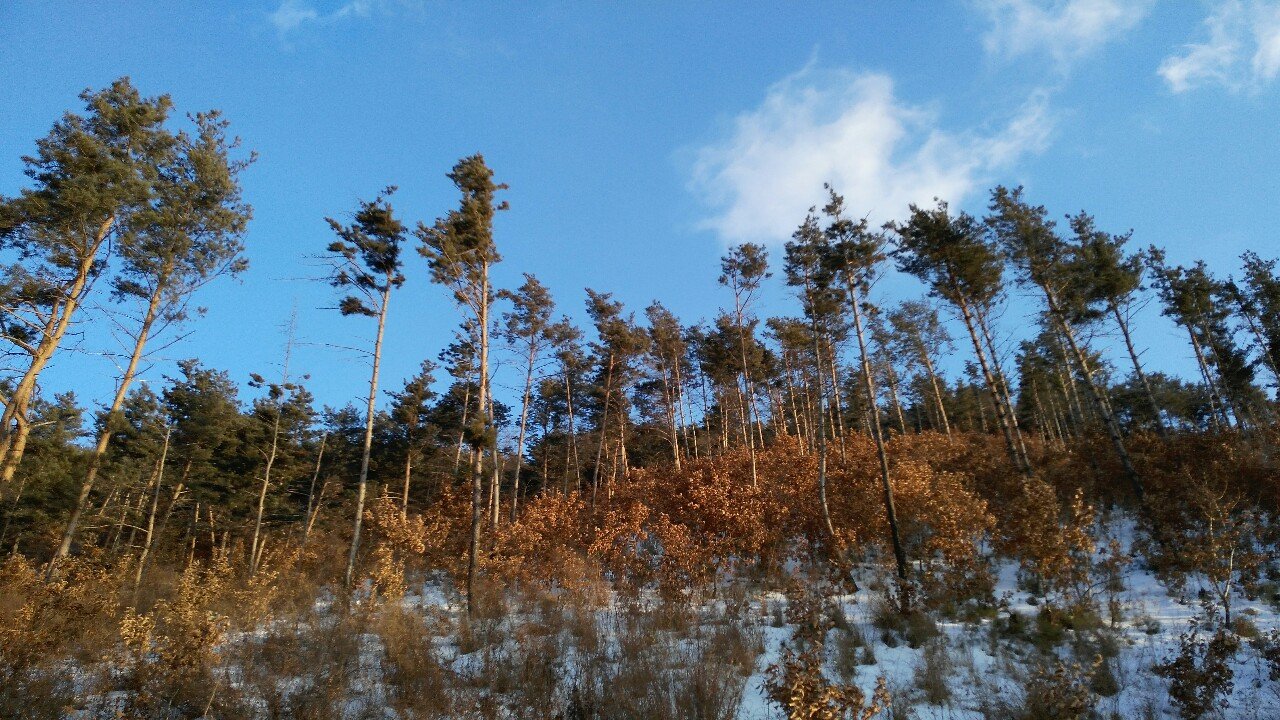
(671, 400)
(462, 433)
(822, 442)
(1011, 413)
(524, 416)
(546, 454)
(13, 441)
(151, 518)
(893, 395)
(808, 413)
(869, 385)
(313, 505)
(571, 449)
(791, 395)
(1006, 428)
(1058, 423)
(315, 511)
(368, 434)
(1218, 417)
(104, 438)
(495, 497)
(747, 407)
(1098, 395)
(119, 531)
(191, 536)
(684, 418)
(1270, 355)
(1226, 399)
(477, 458)
(837, 404)
(604, 426)
(1137, 368)
(495, 482)
(674, 422)
(408, 473)
(937, 392)
(254, 549)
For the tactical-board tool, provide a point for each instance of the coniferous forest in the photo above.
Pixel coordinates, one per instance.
(803, 516)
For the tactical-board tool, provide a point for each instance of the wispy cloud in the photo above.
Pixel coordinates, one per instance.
(1242, 52)
(850, 130)
(291, 15)
(1065, 30)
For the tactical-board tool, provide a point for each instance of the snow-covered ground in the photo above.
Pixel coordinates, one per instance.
(948, 670)
(1147, 633)
(1150, 620)
(981, 666)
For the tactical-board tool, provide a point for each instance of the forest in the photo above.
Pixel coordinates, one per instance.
(808, 516)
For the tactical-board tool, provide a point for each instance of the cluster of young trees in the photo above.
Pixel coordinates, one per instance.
(201, 466)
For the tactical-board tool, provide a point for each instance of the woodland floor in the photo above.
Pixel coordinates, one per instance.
(933, 668)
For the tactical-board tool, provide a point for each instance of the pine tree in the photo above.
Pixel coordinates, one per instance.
(366, 261)
(144, 429)
(793, 338)
(618, 346)
(460, 250)
(453, 412)
(1202, 304)
(91, 174)
(856, 255)
(528, 329)
(411, 412)
(951, 256)
(1258, 299)
(40, 490)
(1047, 262)
(886, 360)
(282, 419)
(666, 352)
(204, 408)
(187, 235)
(921, 336)
(572, 366)
(809, 270)
(743, 270)
(1111, 278)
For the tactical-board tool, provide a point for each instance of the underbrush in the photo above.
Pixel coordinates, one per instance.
(690, 595)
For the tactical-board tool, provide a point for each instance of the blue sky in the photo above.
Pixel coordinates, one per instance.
(640, 140)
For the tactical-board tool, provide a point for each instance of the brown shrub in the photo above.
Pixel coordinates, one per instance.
(798, 685)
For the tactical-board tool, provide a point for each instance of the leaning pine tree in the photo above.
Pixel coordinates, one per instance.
(90, 174)
(1046, 262)
(1112, 279)
(184, 238)
(809, 271)
(460, 250)
(366, 261)
(955, 261)
(855, 255)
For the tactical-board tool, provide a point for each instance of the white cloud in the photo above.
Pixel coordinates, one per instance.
(1242, 51)
(1065, 30)
(850, 130)
(293, 14)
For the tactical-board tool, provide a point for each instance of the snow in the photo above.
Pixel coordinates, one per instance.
(984, 666)
(1147, 629)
